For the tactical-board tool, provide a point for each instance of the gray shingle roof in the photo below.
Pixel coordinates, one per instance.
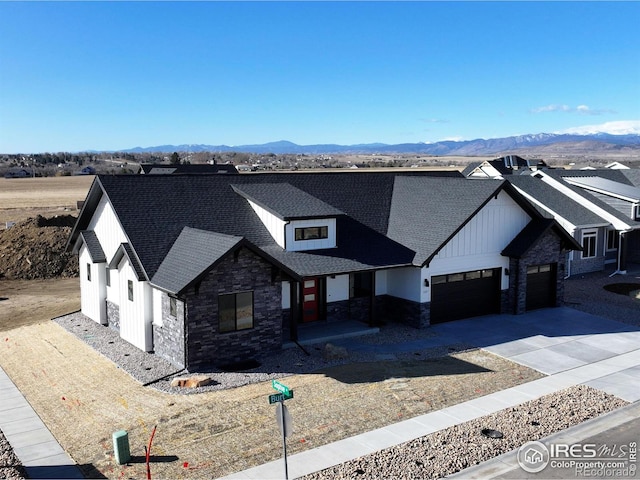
(390, 218)
(286, 201)
(193, 253)
(534, 230)
(606, 186)
(426, 212)
(96, 253)
(556, 201)
(125, 250)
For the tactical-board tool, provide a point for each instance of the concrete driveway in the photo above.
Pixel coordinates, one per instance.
(599, 352)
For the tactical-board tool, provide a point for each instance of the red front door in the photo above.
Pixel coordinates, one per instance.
(310, 300)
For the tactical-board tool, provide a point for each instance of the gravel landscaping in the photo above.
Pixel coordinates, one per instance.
(453, 449)
(155, 372)
(10, 466)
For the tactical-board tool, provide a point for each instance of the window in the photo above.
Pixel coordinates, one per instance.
(589, 243)
(130, 289)
(612, 240)
(360, 284)
(88, 271)
(636, 212)
(235, 311)
(173, 307)
(312, 233)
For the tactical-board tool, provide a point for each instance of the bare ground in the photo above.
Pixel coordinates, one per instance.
(83, 398)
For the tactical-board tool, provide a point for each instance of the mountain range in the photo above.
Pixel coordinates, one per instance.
(591, 142)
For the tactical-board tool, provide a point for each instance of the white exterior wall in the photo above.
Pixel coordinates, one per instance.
(157, 306)
(113, 290)
(338, 288)
(135, 316)
(92, 293)
(274, 225)
(107, 228)
(479, 243)
(405, 283)
(329, 242)
(381, 282)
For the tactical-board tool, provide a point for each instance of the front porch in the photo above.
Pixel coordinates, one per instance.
(321, 332)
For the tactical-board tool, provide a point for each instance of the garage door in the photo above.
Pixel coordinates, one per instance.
(541, 286)
(465, 294)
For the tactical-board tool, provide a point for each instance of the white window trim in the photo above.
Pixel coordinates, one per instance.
(591, 233)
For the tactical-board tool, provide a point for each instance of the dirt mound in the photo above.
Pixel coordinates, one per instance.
(34, 249)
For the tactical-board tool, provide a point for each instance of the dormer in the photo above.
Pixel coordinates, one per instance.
(296, 220)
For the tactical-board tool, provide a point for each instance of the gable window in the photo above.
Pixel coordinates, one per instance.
(360, 284)
(130, 289)
(612, 240)
(312, 233)
(89, 272)
(589, 243)
(173, 307)
(235, 311)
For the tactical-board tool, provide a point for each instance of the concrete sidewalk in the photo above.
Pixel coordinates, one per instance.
(571, 347)
(32, 442)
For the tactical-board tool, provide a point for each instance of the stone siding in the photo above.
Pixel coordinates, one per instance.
(393, 309)
(545, 250)
(113, 316)
(168, 338)
(243, 272)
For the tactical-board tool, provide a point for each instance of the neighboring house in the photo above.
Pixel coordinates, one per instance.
(88, 170)
(196, 168)
(498, 168)
(211, 269)
(18, 173)
(600, 213)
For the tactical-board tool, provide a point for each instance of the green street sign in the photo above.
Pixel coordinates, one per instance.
(282, 388)
(279, 397)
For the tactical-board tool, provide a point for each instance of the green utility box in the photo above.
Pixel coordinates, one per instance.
(121, 447)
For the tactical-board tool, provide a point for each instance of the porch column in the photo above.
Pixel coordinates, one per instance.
(622, 252)
(294, 308)
(372, 300)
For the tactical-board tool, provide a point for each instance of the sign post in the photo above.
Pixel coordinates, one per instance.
(283, 419)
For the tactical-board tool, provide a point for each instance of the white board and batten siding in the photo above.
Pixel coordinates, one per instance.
(107, 228)
(136, 310)
(274, 225)
(92, 287)
(294, 245)
(480, 242)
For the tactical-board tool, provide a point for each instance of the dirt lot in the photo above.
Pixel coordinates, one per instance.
(21, 198)
(83, 398)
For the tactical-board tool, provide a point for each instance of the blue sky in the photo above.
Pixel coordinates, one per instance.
(115, 75)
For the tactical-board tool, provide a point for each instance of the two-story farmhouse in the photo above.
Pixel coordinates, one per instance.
(599, 208)
(210, 269)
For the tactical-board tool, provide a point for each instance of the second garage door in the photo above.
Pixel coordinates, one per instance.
(465, 294)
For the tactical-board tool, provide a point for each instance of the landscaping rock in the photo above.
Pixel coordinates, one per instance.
(333, 352)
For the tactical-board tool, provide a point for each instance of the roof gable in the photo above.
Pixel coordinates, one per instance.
(193, 253)
(535, 230)
(90, 239)
(286, 201)
(426, 213)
